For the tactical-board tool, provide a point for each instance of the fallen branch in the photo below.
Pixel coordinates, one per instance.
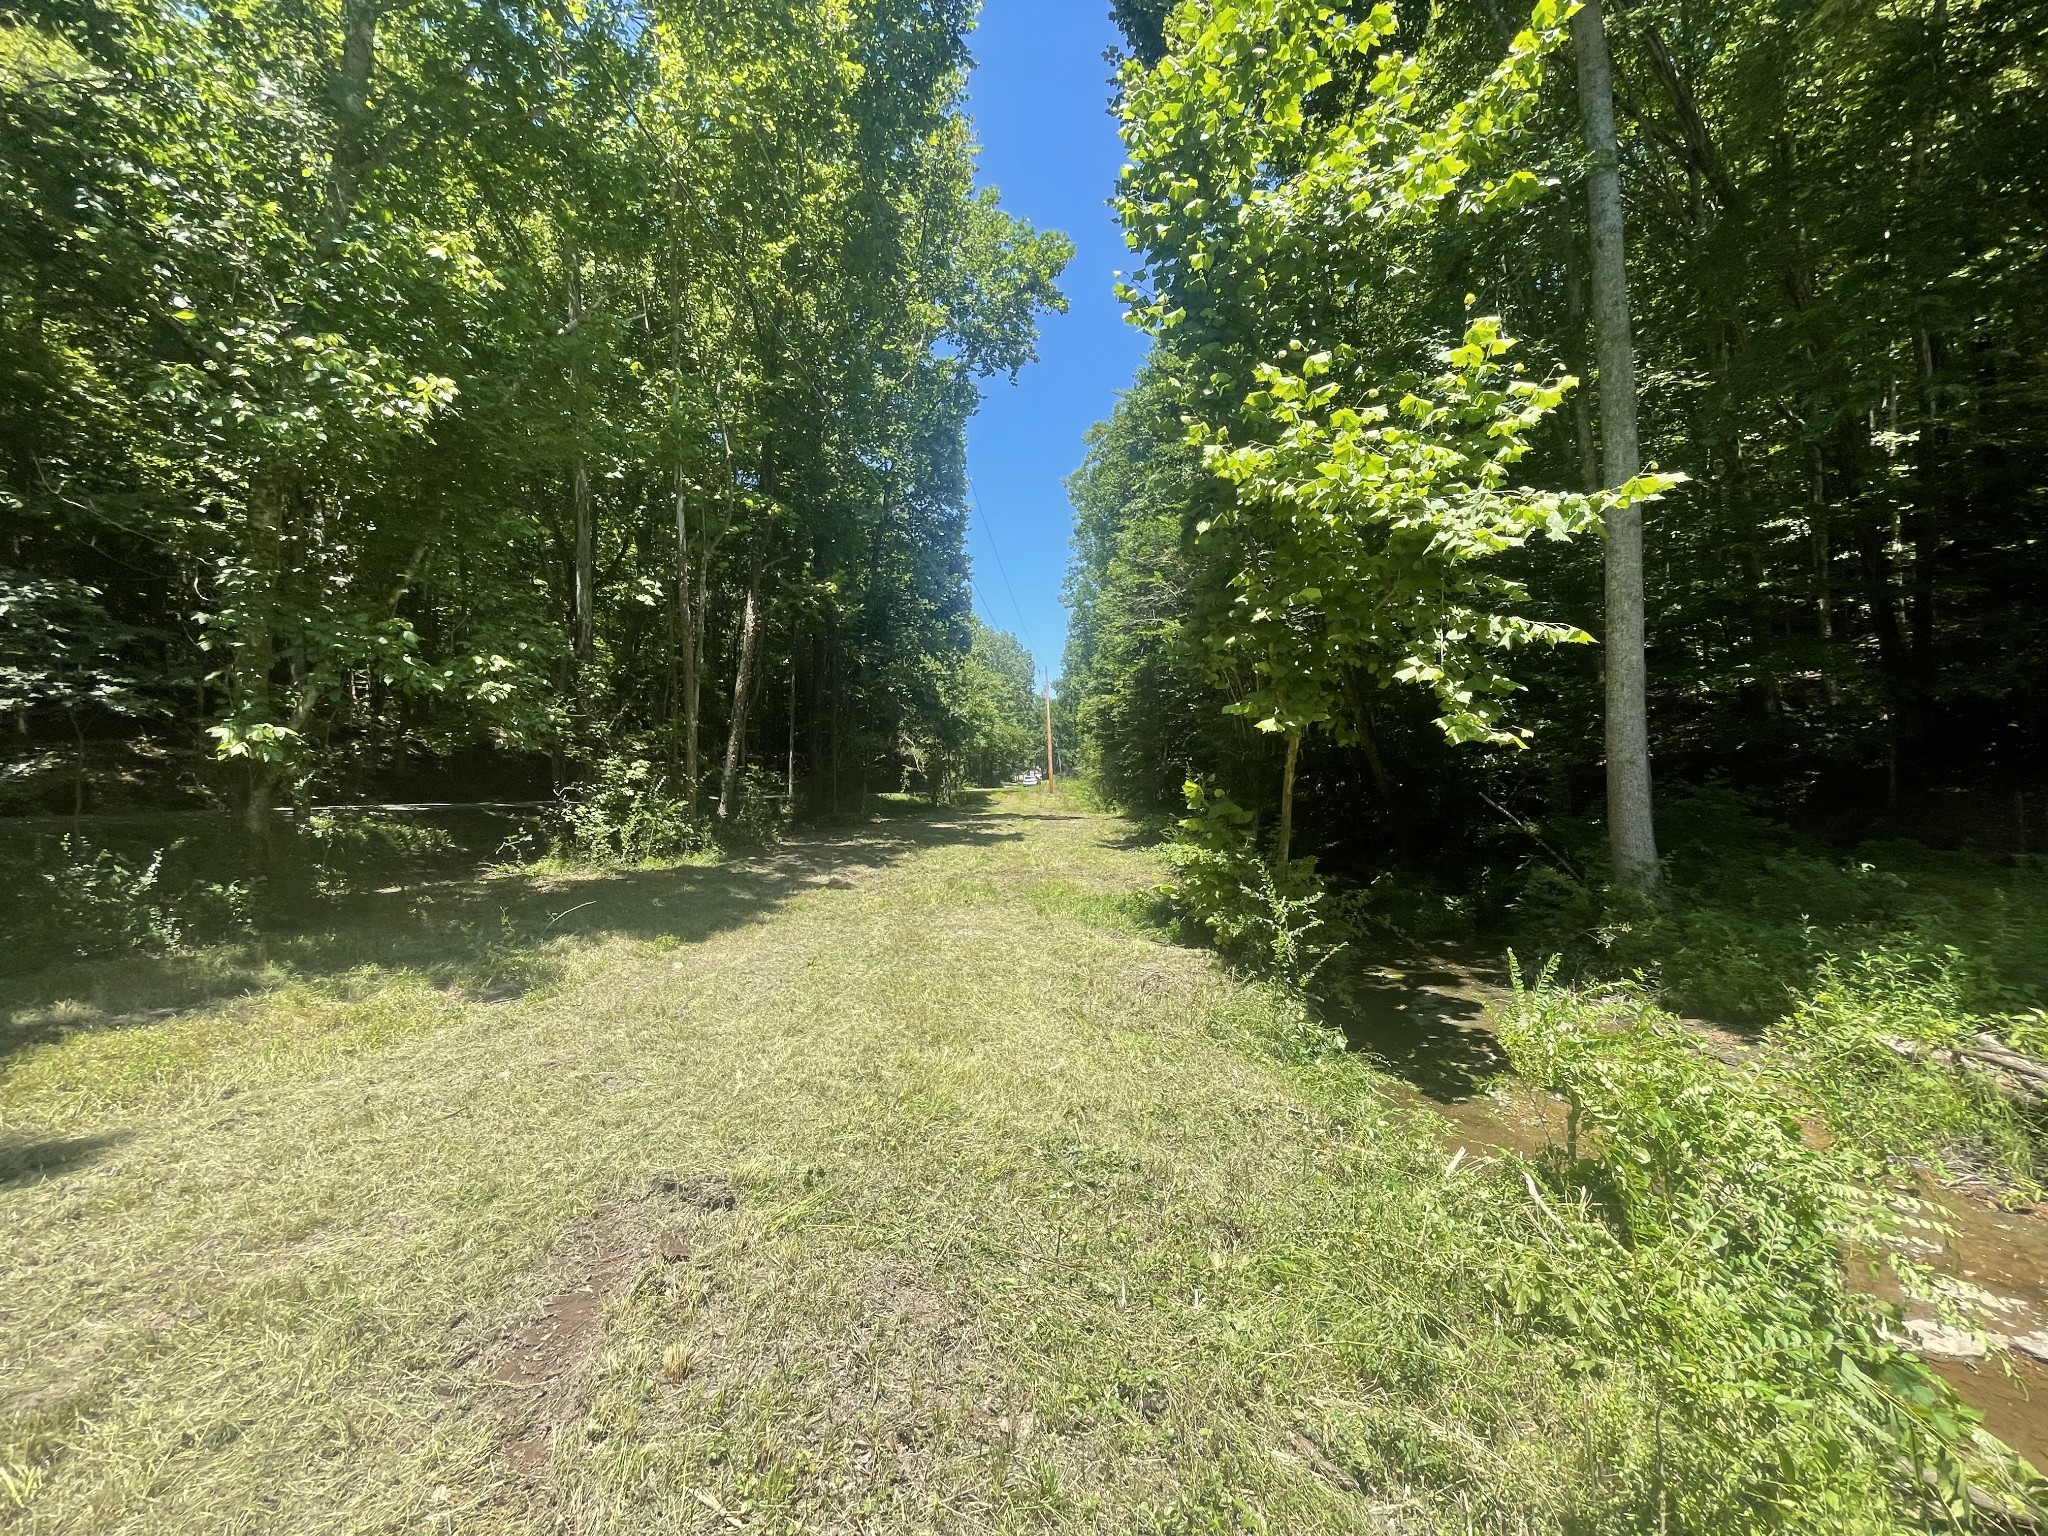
(2018, 1077)
(1992, 1049)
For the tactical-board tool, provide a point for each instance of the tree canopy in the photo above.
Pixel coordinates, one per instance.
(391, 383)
(1834, 220)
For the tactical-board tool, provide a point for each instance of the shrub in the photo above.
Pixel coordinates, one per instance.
(1689, 1229)
(764, 812)
(1225, 891)
(1750, 912)
(1415, 910)
(342, 849)
(81, 901)
(1994, 918)
(627, 811)
(1877, 1050)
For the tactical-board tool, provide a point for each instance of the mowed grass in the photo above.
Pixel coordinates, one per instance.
(907, 1179)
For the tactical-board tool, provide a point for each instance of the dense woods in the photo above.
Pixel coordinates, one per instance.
(453, 396)
(1834, 231)
(1560, 1043)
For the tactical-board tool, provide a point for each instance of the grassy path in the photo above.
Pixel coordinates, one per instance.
(904, 1180)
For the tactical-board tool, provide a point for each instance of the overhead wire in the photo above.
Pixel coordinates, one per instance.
(1016, 607)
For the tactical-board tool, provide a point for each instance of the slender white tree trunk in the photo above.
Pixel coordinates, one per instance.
(687, 624)
(742, 691)
(586, 563)
(583, 578)
(1631, 833)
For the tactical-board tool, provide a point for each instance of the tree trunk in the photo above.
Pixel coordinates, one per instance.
(1700, 148)
(689, 617)
(1368, 744)
(1632, 837)
(1575, 342)
(689, 610)
(349, 93)
(818, 736)
(1286, 837)
(78, 775)
(586, 566)
(583, 575)
(256, 660)
(742, 691)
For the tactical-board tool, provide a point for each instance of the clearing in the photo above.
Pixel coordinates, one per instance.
(904, 1179)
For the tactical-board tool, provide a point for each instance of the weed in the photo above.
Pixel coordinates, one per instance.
(1689, 1227)
(1228, 893)
(81, 901)
(626, 811)
(1750, 912)
(764, 814)
(342, 850)
(1872, 1051)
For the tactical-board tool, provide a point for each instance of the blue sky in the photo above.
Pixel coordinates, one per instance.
(1039, 96)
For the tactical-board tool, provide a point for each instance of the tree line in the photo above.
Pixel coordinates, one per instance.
(404, 382)
(1452, 307)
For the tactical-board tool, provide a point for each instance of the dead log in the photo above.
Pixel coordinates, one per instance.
(2017, 1077)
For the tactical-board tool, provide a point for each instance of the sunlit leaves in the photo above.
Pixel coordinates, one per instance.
(1275, 147)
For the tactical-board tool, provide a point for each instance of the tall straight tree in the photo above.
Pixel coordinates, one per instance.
(1631, 831)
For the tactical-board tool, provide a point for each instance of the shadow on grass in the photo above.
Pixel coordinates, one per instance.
(489, 935)
(23, 1161)
(1136, 837)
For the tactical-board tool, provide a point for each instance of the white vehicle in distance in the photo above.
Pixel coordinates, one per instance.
(1030, 776)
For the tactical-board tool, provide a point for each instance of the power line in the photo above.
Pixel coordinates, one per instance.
(990, 534)
(982, 611)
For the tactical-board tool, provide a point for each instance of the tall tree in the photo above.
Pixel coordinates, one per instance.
(403, 380)
(1365, 501)
(1631, 830)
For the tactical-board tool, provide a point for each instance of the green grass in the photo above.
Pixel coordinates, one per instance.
(1042, 1224)
(1035, 1231)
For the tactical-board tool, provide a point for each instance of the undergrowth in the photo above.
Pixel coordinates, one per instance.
(1750, 912)
(1878, 1051)
(1881, 983)
(128, 888)
(1876, 978)
(631, 810)
(1225, 892)
(1689, 1226)
(74, 900)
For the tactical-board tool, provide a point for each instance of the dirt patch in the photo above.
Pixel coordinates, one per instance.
(1182, 980)
(546, 1363)
(705, 1192)
(2000, 1258)
(839, 1380)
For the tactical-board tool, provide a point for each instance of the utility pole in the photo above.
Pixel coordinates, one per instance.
(1048, 733)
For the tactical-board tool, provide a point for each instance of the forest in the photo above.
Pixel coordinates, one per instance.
(1583, 498)
(444, 402)
(1584, 489)
(557, 971)
(1833, 268)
